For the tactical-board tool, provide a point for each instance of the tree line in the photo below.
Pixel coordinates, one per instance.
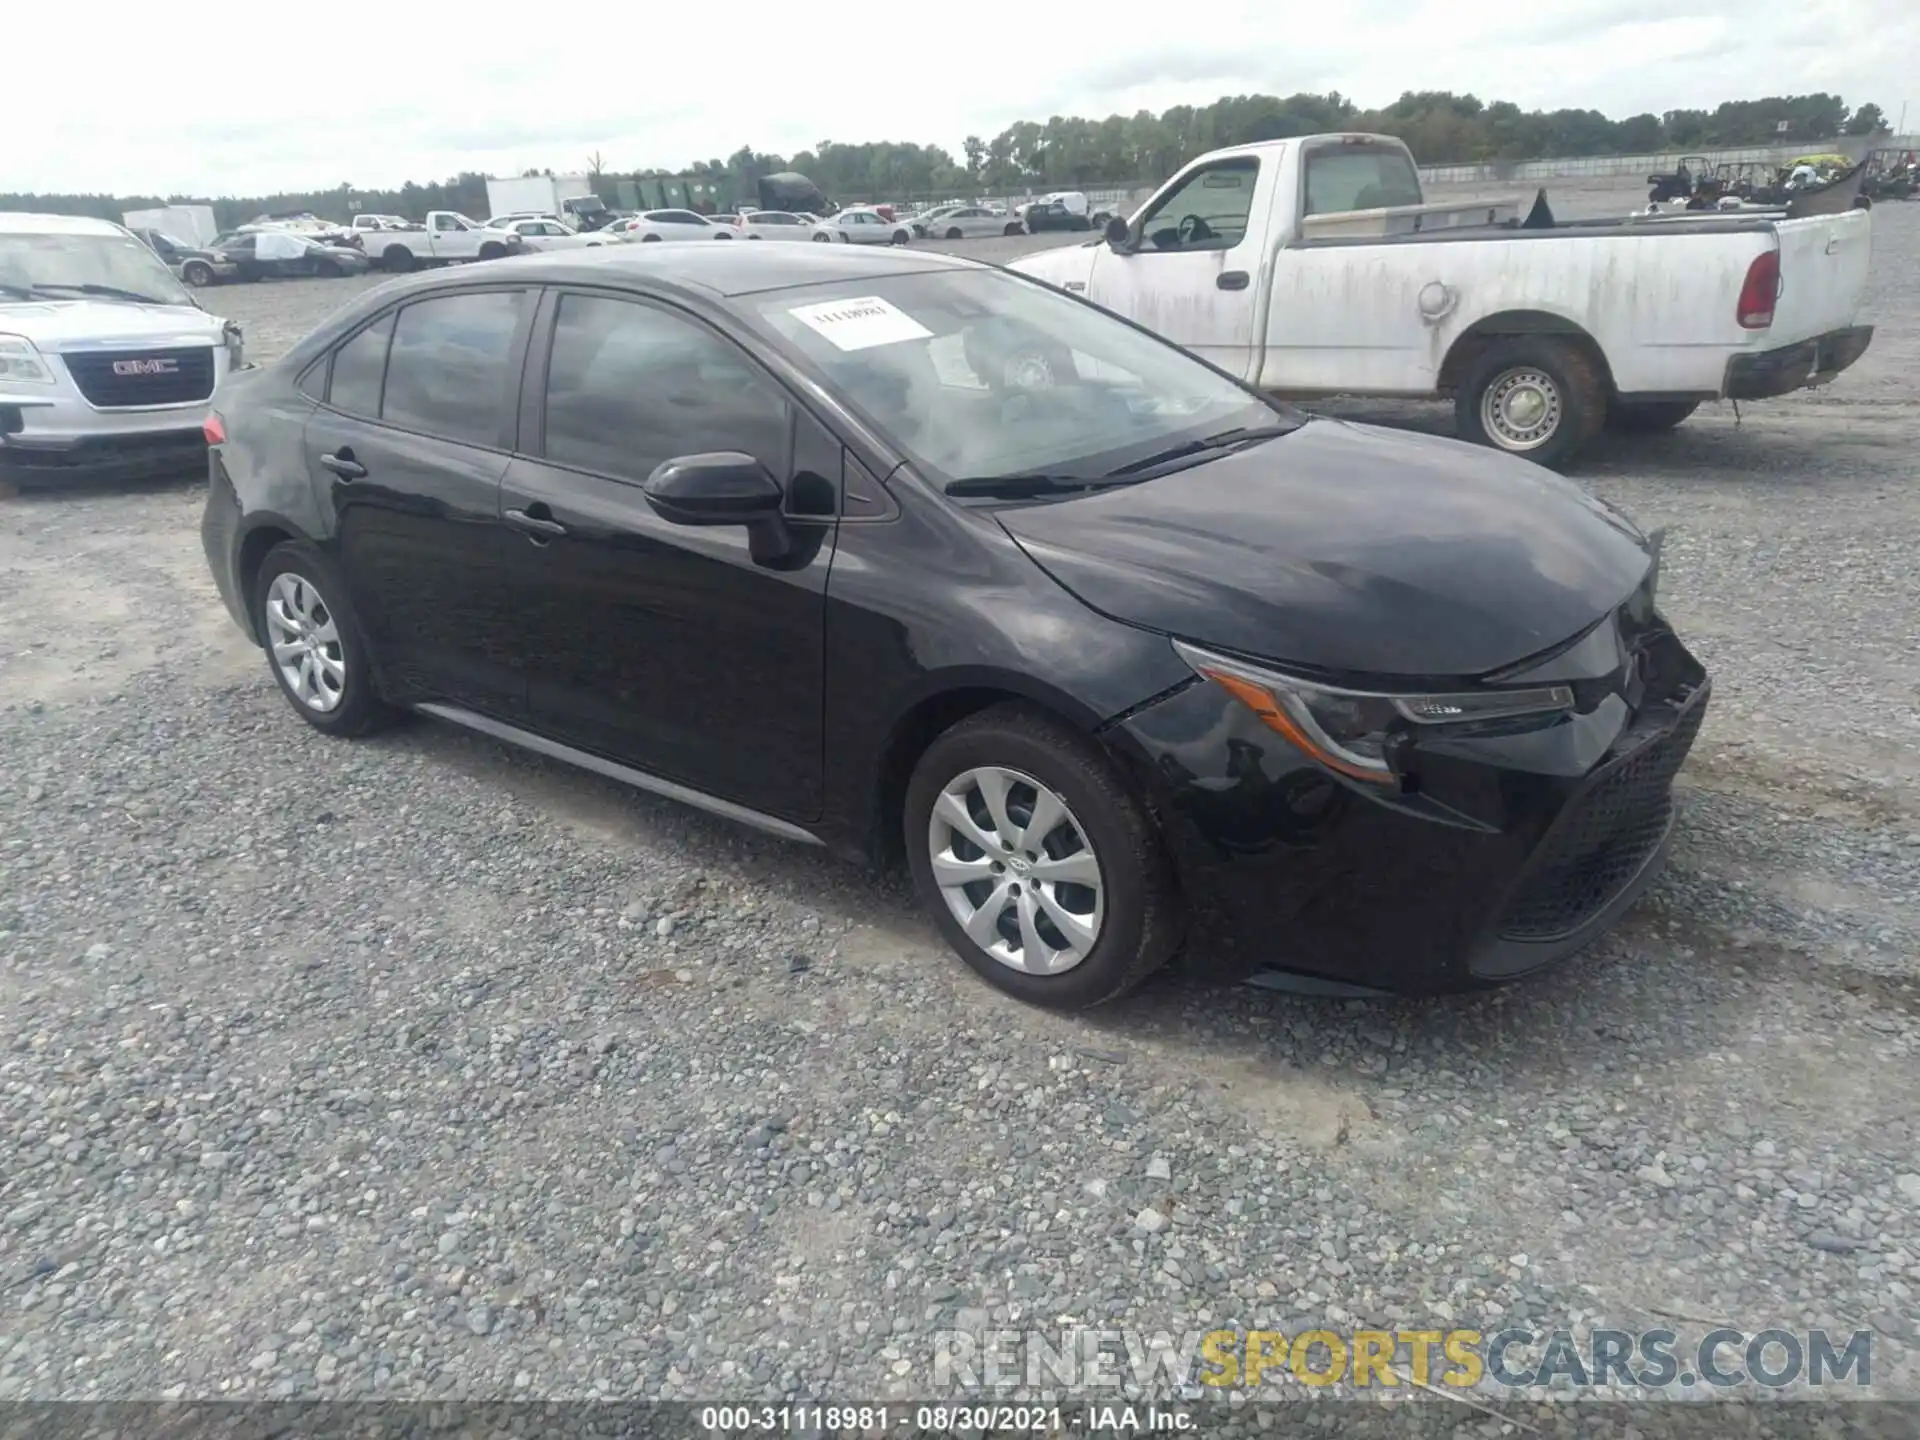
(1121, 150)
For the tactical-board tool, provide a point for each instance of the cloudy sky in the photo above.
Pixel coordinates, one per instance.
(299, 95)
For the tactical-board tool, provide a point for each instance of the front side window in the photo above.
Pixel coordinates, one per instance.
(448, 369)
(358, 368)
(630, 386)
(981, 374)
(1209, 210)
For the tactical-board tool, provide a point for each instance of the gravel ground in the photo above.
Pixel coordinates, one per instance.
(420, 1068)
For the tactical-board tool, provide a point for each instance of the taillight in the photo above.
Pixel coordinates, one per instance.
(1758, 292)
(213, 430)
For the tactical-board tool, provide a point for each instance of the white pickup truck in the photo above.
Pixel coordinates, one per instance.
(1313, 267)
(446, 237)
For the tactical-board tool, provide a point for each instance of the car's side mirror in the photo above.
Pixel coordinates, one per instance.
(1119, 232)
(721, 487)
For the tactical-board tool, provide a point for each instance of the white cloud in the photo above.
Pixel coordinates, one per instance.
(288, 97)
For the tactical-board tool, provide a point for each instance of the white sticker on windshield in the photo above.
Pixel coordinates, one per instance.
(860, 323)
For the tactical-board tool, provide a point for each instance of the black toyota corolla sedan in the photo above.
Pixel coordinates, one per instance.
(899, 553)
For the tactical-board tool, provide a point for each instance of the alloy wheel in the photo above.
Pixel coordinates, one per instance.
(306, 644)
(1521, 408)
(1017, 870)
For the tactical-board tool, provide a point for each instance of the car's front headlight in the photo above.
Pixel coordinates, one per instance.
(21, 364)
(1349, 731)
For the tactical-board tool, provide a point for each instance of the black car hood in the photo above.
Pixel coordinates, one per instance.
(1347, 548)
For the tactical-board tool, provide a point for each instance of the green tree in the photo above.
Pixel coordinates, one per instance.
(1867, 120)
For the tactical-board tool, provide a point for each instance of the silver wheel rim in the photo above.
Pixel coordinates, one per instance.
(306, 643)
(1017, 871)
(1520, 410)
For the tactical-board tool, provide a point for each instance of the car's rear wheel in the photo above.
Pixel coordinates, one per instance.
(822, 239)
(313, 642)
(1039, 865)
(397, 258)
(197, 273)
(649, 239)
(954, 233)
(1536, 396)
(1648, 417)
(901, 237)
(1011, 230)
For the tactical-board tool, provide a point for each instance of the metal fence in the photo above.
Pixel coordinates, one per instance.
(1602, 166)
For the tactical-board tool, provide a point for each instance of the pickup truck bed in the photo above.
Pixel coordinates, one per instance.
(1257, 263)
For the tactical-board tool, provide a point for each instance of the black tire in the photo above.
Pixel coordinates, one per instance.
(901, 237)
(954, 234)
(1013, 229)
(1143, 922)
(649, 239)
(397, 258)
(1649, 417)
(327, 270)
(359, 708)
(197, 273)
(492, 250)
(823, 239)
(1579, 396)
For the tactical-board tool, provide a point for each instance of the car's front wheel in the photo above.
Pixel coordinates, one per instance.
(1037, 862)
(197, 273)
(313, 642)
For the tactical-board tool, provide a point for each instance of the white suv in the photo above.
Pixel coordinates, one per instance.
(106, 361)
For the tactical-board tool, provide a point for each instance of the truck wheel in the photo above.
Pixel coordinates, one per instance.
(1536, 396)
(1648, 417)
(397, 258)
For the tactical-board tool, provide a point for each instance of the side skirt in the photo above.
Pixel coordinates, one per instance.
(626, 774)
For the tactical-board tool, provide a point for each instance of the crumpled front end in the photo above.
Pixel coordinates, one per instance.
(1500, 848)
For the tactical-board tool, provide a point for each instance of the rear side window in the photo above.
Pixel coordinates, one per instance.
(1356, 177)
(358, 367)
(447, 372)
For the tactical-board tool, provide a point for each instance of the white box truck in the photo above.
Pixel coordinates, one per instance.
(570, 197)
(192, 225)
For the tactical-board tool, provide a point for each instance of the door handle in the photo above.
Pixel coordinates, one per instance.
(342, 463)
(1232, 280)
(539, 527)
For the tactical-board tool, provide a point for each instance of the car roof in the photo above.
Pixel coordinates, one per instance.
(21, 222)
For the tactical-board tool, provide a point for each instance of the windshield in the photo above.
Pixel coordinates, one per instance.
(110, 266)
(978, 373)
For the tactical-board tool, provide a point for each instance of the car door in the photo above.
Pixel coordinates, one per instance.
(1190, 274)
(240, 251)
(448, 239)
(406, 451)
(681, 650)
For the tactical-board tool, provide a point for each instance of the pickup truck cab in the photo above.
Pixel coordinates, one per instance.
(1314, 267)
(446, 238)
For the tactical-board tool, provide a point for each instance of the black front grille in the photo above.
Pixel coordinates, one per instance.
(136, 379)
(1605, 837)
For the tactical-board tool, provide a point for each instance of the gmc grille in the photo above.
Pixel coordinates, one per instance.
(143, 378)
